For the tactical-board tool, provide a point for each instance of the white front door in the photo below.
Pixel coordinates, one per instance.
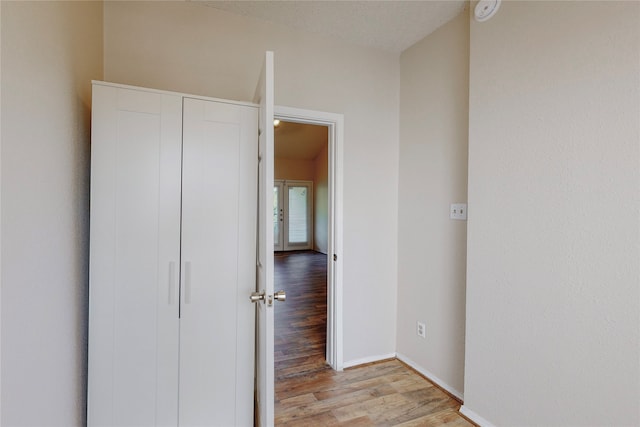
(264, 340)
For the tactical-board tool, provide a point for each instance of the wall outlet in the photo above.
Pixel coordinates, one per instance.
(458, 211)
(421, 330)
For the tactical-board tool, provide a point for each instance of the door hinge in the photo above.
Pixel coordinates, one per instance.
(335, 257)
(259, 132)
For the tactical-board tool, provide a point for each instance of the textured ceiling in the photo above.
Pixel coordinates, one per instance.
(392, 25)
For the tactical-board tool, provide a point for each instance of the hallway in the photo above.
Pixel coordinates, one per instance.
(309, 393)
(300, 323)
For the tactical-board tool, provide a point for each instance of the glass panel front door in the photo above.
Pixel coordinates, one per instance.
(278, 219)
(297, 210)
(292, 215)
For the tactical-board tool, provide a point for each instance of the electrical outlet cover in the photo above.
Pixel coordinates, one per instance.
(421, 329)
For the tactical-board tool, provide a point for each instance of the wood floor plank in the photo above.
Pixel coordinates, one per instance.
(448, 418)
(319, 419)
(309, 393)
(384, 382)
(321, 406)
(379, 409)
(297, 401)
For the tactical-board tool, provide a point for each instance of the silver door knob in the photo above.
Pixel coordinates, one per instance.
(256, 296)
(280, 296)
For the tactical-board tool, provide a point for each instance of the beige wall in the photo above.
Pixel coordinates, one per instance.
(186, 46)
(0, 214)
(553, 240)
(303, 170)
(553, 300)
(433, 174)
(50, 52)
(321, 201)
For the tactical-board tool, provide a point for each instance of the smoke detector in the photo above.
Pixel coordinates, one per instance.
(485, 9)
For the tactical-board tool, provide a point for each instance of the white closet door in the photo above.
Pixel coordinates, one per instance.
(134, 261)
(218, 264)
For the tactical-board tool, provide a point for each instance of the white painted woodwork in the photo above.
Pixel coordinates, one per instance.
(335, 122)
(135, 246)
(264, 363)
(218, 243)
(171, 331)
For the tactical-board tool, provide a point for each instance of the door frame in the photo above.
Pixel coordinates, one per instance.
(335, 123)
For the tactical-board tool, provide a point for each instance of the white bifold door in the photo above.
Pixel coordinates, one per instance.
(172, 263)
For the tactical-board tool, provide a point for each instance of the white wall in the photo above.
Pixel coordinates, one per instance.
(50, 52)
(188, 47)
(433, 174)
(553, 302)
(321, 201)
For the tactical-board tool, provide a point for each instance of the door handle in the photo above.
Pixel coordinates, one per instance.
(280, 296)
(256, 296)
(261, 296)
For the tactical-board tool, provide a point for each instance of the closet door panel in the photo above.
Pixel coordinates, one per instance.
(218, 261)
(135, 244)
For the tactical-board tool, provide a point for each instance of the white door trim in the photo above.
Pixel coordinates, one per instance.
(335, 122)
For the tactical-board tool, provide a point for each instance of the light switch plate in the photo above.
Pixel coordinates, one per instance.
(458, 211)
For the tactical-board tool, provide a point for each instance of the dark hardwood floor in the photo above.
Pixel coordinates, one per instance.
(310, 393)
(301, 322)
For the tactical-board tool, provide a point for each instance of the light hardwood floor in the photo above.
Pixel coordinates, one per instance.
(310, 393)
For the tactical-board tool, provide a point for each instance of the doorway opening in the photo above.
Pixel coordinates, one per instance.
(300, 219)
(322, 257)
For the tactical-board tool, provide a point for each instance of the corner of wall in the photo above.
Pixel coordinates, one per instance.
(51, 52)
(552, 298)
(434, 117)
(0, 212)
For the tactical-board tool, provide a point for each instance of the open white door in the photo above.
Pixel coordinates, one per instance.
(265, 295)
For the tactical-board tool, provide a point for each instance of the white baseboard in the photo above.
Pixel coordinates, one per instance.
(430, 376)
(356, 362)
(475, 417)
